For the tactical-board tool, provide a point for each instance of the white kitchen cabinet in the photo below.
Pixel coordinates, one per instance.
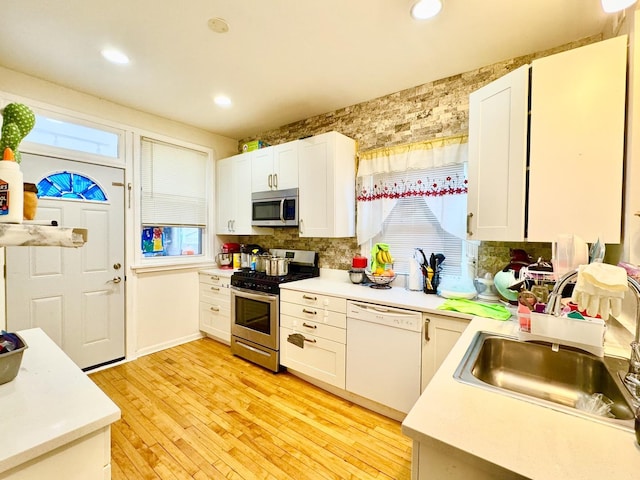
(576, 141)
(321, 319)
(439, 335)
(215, 305)
(275, 168)
(233, 196)
(327, 186)
(498, 117)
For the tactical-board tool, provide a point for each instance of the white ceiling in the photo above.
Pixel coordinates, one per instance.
(282, 60)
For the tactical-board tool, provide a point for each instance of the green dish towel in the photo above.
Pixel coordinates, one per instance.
(488, 310)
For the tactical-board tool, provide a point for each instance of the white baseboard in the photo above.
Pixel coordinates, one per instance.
(163, 346)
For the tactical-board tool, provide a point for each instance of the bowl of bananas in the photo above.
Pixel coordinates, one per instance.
(381, 272)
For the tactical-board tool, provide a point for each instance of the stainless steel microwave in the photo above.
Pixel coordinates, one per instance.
(275, 208)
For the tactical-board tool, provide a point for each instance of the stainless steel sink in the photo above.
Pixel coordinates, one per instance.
(537, 373)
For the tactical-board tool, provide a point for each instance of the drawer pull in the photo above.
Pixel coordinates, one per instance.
(312, 340)
(214, 309)
(309, 297)
(304, 324)
(215, 289)
(310, 312)
(215, 277)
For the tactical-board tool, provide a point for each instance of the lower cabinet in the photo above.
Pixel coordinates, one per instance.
(317, 324)
(215, 306)
(439, 334)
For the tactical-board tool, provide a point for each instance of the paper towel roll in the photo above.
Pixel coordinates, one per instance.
(415, 275)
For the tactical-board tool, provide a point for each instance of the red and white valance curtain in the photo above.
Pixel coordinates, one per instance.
(433, 170)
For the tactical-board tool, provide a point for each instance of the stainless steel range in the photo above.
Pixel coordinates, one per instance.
(255, 307)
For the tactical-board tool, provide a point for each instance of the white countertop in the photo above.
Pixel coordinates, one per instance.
(50, 403)
(221, 272)
(531, 440)
(400, 297)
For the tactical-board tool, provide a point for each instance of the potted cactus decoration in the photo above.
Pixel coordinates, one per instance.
(17, 121)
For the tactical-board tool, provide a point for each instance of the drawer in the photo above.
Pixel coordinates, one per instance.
(214, 294)
(317, 315)
(322, 359)
(215, 320)
(220, 280)
(335, 304)
(314, 328)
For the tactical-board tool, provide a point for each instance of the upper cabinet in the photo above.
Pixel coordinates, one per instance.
(233, 196)
(498, 122)
(573, 183)
(275, 168)
(327, 186)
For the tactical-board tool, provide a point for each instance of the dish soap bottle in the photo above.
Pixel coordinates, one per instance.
(11, 189)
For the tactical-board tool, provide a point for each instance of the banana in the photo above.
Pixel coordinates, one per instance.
(387, 257)
(380, 258)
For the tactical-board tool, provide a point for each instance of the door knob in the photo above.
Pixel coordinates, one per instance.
(116, 280)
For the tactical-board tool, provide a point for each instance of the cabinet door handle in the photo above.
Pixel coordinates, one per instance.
(469, 217)
(275, 181)
(233, 225)
(309, 297)
(228, 225)
(304, 324)
(300, 227)
(426, 329)
(214, 309)
(270, 181)
(215, 289)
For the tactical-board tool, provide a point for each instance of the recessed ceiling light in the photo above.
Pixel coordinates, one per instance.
(222, 101)
(611, 6)
(425, 9)
(218, 25)
(115, 56)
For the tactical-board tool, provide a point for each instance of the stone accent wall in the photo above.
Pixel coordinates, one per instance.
(432, 110)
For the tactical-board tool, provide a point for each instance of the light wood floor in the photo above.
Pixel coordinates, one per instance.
(196, 411)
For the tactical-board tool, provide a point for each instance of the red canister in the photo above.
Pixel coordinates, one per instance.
(359, 262)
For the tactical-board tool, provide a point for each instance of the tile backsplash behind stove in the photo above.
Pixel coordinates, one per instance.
(333, 253)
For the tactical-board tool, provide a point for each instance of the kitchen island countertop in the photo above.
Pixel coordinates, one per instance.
(50, 403)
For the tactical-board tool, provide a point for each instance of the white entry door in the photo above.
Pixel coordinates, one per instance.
(76, 295)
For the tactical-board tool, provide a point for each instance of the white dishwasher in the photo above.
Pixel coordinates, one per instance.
(384, 354)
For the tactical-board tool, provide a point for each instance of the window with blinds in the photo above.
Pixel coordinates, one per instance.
(411, 224)
(173, 208)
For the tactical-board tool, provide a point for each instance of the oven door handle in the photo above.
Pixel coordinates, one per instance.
(253, 295)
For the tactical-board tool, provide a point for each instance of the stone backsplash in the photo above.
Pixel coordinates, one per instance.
(432, 110)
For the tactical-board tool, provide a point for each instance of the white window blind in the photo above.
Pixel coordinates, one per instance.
(411, 224)
(174, 185)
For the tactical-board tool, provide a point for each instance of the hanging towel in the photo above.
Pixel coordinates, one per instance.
(600, 289)
(488, 310)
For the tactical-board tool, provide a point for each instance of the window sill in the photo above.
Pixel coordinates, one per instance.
(171, 266)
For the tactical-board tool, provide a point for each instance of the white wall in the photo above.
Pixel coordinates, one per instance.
(162, 307)
(167, 309)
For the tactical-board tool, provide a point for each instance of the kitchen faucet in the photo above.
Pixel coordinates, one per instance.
(632, 377)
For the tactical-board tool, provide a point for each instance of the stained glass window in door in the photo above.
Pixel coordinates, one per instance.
(70, 185)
